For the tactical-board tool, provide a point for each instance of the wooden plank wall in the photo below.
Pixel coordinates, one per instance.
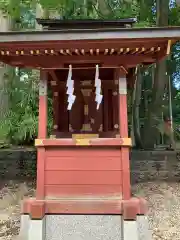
(80, 172)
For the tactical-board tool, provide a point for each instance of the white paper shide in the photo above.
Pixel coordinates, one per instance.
(70, 89)
(99, 96)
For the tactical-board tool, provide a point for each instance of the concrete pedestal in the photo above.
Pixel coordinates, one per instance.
(84, 227)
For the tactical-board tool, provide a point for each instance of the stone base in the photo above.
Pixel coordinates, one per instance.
(87, 227)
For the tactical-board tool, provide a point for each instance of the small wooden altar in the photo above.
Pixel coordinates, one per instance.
(83, 167)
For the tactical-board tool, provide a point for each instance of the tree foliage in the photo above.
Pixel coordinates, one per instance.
(20, 122)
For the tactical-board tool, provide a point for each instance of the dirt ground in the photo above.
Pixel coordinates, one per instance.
(11, 194)
(163, 198)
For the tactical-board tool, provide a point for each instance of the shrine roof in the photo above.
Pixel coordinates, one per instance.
(55, 48)
(54, 24)
(91, 34)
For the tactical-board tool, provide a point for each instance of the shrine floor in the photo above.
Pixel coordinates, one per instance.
(163, 198)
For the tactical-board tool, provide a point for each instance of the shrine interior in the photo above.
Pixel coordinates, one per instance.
(84, 117)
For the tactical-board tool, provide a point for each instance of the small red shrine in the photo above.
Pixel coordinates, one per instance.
(83, 167)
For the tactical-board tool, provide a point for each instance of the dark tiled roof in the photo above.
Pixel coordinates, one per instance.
(57, 24)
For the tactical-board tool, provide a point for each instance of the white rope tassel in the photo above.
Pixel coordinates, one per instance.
(70, 89)
(98, 97)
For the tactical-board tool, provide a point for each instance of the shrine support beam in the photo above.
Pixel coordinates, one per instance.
(42, 128)
(123, 130)
(42, 134)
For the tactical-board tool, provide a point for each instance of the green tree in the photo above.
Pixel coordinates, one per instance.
(153, 83)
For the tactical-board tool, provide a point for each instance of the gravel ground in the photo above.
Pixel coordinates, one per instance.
(164, 208)
(163, 199)
(11, 194)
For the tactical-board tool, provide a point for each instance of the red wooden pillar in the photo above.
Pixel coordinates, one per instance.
(123, 130)
(42, 128)
(42, 134)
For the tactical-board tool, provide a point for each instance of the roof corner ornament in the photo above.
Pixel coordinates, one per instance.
(99, 96)
(70, 89)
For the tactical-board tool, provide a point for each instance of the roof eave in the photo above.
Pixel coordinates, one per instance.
(91, 34)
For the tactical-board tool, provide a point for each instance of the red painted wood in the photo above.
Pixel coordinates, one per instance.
(40, 173)
(78, 152)
(56, 63)
(58, 191)
(75, 207)
(83, 172)
(124, 150)
(83, 163)
(42, 133)
(85, 44)
(123, 130)
(123, 115)
(42, 127)
(93, 206)
(83, 177)
(126, 185)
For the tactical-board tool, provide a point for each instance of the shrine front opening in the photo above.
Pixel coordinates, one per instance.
(83, 177)
(84, 116)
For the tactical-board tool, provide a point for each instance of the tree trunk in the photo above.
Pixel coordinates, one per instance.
(160, 83)
(5, 24)
(132, 118)
(132, 97)
(104, 8)
(39, 14)
(178, 2)
(136, 106)
(162, 8)
(132, 132)
(85, 9)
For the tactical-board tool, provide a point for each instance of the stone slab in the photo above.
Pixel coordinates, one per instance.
(144, 233)
(83, 227)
